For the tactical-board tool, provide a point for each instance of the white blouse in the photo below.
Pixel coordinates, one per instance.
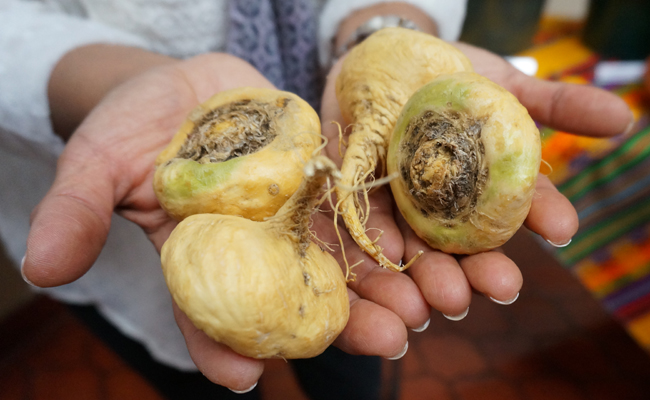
(126, 283)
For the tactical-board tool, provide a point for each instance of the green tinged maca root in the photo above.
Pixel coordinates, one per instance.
(243, 176)
(242, 152)
(377, 78)
(262, 288)
(467, 154)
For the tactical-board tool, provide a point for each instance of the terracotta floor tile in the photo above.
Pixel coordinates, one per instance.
(13, 384)
(66, 383)
(486, 389)
(484, 318)
(579, 358)
(512, 356)
(424, 388)
(63, 349)
(628, 359)
(536, 317)
(582, 313)
(551, 389)
(279, 383)
(125, 385)
(554, 281)
(451, 356)
(512, 364)
(28, 324)
(104, 359)
(613, 389)
(555, 343)
(412, 362)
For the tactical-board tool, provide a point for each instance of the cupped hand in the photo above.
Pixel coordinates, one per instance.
(446, 282)
(107, 166)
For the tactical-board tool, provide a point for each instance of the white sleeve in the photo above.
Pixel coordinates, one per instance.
(33, 37)
(449, 16)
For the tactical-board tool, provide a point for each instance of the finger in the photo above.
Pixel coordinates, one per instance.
(579, 109)
(551, 214)
(380, 227)
(393, 291)
(396, 292)
(159, 236)
(442, 283)
(494, 275)
(372, 330)
(70, 225)
(216, 361)
(438, 276)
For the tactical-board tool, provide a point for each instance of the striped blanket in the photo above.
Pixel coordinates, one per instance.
(608, 182)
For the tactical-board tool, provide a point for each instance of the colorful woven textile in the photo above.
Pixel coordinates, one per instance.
(608, 182)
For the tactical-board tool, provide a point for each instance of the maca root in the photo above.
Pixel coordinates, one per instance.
(241, 152)
(295, 216)
(377, 78)
(232, 130)
(443, 166)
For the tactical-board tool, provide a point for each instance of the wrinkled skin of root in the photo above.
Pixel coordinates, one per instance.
(240, 153)
(377, 78)
(262, 288)
(467, 154)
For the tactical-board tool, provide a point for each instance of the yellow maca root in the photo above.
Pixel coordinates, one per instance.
(263, 288)
(241, 152)
(377, 78)
(466, 154)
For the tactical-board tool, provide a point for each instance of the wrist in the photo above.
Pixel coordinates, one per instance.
(83, 76)
(362, 22)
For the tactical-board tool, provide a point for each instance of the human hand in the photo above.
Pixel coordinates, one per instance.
(442, 281)
(107, 166)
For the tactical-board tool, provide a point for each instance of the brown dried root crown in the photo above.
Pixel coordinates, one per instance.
(443, 163)
(232, 130)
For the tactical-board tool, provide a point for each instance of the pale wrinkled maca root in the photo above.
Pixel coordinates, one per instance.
(239, 153)
(467, 155)
(263, 288)
(377, 78)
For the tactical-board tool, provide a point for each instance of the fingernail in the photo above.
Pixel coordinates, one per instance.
(457, 317)
(630, 127)
(401, 353)
(245, 390)
(507, 302)
(558, 244)
(22, 273)
(423, 327)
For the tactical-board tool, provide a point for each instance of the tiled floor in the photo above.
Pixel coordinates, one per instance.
(554, 343)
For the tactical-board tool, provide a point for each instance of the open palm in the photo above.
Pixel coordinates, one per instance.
(107, 166)
(442, 281)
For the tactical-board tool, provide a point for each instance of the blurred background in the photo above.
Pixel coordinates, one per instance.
(581, 327)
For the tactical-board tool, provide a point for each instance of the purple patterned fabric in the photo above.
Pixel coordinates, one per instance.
(278, 37)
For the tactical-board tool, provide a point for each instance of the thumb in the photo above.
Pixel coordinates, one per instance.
(70, 225)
